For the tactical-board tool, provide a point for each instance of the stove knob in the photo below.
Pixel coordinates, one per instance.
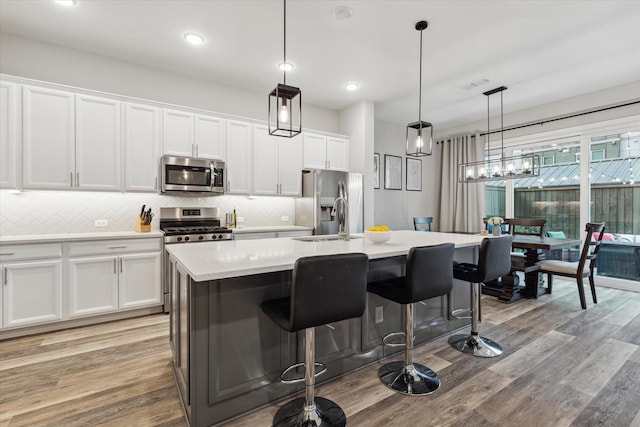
(219, 236)
(200, 237)
(186, 239)
(213, 236)
(179, 239)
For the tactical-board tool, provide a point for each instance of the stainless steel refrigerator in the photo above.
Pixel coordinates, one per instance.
(320, 188)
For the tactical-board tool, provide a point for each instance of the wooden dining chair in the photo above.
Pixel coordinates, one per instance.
(422, 223)
(581, 269)
(526, 226)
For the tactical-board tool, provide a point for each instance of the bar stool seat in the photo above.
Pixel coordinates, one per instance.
(494, 261)
(428, 275)
(324, 289)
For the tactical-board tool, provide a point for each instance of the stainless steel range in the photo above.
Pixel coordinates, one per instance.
(188, 225)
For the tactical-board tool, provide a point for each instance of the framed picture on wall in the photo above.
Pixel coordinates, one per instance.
(414, 175)
(376, 170)
(392, 172)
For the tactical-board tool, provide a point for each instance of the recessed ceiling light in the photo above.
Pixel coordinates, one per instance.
(285, 66)
(351, 86)
(194, 38)
(342, 13)
(66, 2)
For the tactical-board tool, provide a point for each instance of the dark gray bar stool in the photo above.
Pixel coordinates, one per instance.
(324, 289)
(428, 275)
(494, 261)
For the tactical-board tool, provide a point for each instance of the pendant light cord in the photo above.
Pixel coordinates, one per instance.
(501, 130)
(284, 24)
(420, 86)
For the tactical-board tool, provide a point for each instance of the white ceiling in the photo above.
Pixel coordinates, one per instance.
(542, 50)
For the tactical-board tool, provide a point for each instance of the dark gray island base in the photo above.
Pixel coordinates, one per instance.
(228, 356)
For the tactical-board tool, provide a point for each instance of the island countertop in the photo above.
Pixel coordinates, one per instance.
(221, 260)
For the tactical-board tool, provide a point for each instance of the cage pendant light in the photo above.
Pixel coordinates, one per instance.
(285, 102)
(419, 134)
(501, 167)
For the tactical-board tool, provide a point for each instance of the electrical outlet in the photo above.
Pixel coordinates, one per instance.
(101, 223)
(240, 219)
(284, 218)
(379, 314)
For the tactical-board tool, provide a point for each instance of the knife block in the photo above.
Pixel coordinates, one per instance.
(140, 227)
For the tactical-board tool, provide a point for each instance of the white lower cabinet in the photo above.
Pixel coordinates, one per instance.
(101, 283)
(31, 284)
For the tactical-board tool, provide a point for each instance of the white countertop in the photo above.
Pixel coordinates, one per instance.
(268, 228)
(48, 238)
(220, 260)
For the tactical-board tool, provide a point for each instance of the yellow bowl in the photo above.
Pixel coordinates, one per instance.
(377, 236)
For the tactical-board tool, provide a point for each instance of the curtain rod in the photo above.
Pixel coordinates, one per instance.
(555, 119)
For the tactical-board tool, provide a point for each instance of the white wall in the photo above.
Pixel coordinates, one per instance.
(396, 208)
(33, 59)
(357, 121)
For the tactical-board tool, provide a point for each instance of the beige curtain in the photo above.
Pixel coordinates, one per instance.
(462, 206)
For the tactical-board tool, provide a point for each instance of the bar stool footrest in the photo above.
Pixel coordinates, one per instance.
(461, 313)
(285, 378)
(325, 413)
(414, 379)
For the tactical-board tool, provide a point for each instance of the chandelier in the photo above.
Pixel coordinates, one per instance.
(500, 168)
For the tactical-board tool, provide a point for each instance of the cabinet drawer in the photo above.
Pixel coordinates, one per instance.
(30, 251)
(117, 246)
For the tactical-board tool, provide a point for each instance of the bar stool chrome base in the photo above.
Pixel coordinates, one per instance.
(297, 414)
(475, 345)
(413, 379)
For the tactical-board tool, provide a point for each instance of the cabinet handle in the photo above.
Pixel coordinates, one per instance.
(120, 265)
(7, 253)
(114, 266)
(155, 183)
(77, 179)
(196, 150)
(333, 328)
(71, 179)
(4, 275)
(117, 247)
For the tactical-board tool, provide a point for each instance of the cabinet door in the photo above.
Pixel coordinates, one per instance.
(290, 165)
(238, 163)
(32, 293)
(141, 147)
(140, 282)
(177, 133)
(337, 154)
(98, 143)
(48, 135)
(93, 285)
(209, 137)
(265, 161)
(315, 151)
(8, 140)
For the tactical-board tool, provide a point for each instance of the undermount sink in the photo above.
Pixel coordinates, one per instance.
(323, 238)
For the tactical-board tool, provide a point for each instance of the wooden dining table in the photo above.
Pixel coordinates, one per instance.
(508, 289)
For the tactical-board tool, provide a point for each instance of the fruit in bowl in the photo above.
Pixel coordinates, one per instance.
(378, 234)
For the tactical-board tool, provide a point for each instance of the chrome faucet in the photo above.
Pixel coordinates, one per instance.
(344, 234)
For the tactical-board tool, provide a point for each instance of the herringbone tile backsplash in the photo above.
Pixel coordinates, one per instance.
(60, 212)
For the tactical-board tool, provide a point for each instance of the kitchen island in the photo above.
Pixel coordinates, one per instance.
(227, 355)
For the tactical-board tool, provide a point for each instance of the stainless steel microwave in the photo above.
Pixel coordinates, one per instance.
(192, 175)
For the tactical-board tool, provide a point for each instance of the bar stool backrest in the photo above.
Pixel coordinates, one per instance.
(494, 259)
(327, 289)
(429, 273)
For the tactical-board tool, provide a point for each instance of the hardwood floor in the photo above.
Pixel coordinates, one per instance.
(562, 366)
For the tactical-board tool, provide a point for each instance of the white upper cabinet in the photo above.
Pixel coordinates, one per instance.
(193, 135)
(48, 132)
(209, 137)
(98, 143)
(238, 161)
(177, 133)
(322, 152)
(141, 147)
(337, 154)
(277, 164)
(8, 139)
